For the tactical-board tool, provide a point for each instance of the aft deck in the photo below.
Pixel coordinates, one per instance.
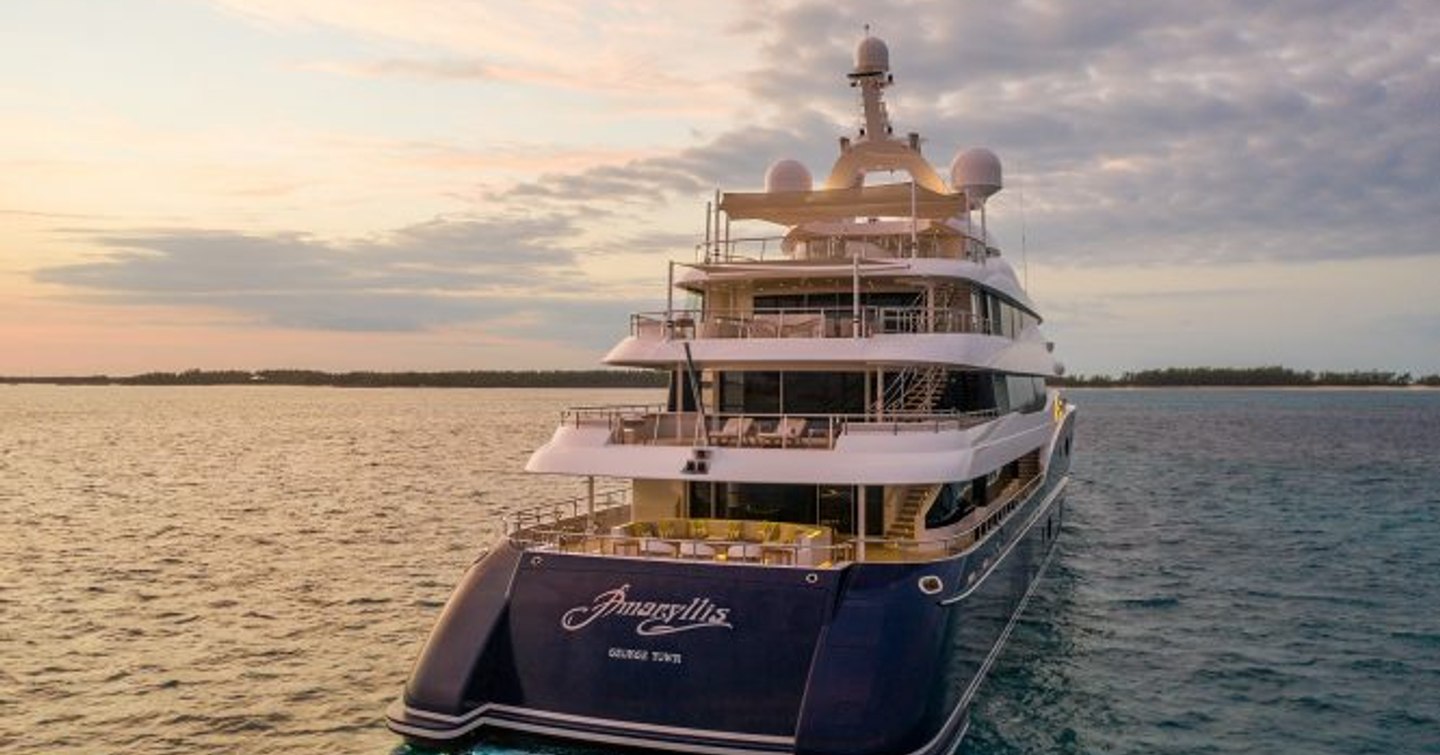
(604, 526)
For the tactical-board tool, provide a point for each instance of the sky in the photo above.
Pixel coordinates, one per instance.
(459, 184)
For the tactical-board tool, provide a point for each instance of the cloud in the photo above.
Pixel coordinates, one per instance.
(734, 159)
(1163, 133)
(443, 272)
(1166, 132)
(637, 47)
(453, 69)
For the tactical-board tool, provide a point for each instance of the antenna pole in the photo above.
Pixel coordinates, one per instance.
(670, 301)
(914, 224)
(855, 295)
(984, 235)
(1024, 255)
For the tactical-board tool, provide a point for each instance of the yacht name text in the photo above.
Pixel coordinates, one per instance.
(655, 619)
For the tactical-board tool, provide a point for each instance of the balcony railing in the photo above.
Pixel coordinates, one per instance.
(992, 516)
(810, 322)
(895, 246)
(572, 514)
(653, 426)
(585, 526)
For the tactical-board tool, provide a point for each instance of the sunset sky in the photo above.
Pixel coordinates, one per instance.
(392, 184)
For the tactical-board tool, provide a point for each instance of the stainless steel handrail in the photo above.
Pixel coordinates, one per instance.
(837, 247)
(961, 541)
(569, 525)
(805, 322)
(571, 510)
(652, 425)
(702, 549)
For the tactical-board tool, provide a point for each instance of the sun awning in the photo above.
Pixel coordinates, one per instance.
(796, 207)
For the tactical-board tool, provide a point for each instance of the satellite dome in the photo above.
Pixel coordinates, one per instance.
(787, 175)
(976, 172)
(871, 56)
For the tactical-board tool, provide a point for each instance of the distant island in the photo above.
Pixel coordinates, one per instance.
(1247, 377)
(1169, 377)
(458, 379)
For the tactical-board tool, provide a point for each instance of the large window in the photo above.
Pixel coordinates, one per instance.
(999, 316)
(1027, 393)
(812, 393)
(681, 397)
(970, 391)
(954, 502)
(837, 300)
(830, 505)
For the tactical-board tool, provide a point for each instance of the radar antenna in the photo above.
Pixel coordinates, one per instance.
(872, 75)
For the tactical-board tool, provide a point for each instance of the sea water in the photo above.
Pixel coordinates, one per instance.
(253, 569)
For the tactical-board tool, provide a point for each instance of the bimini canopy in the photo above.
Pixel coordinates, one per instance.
(796, 207)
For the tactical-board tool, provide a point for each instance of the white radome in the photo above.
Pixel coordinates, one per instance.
(872, 56)
(976, 172)
(787, 175)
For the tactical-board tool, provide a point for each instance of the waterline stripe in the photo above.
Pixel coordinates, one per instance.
(486, 710)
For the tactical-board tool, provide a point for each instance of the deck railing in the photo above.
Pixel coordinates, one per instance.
(653, 425)
(894, 246)
(995, 514)
(804, 322)
(570, 526)
(570, 514)
(651, 547)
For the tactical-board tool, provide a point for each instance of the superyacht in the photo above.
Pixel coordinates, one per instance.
(821, 540)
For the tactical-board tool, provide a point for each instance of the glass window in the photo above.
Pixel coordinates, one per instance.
(681, 398)
(1002, 392)
(824, 393)
(1027, 393)
(954, 502)
(750, 392)
(968, 391)
(837, 507)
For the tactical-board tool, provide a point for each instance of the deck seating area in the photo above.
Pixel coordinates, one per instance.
(725, 540)
(788, 431)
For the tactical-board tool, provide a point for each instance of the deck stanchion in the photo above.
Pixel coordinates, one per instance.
(590, 503)
(860, 525)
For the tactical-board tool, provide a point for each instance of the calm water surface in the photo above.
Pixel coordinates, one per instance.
(253, 569)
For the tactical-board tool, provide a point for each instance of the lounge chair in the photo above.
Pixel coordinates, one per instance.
(788, 432)
(734, 431)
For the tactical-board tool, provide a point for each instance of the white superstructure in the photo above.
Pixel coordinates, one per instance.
(881, 340)
(825, 534)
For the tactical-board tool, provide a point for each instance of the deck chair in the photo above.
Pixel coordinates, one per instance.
(787, 433)
(734, 431)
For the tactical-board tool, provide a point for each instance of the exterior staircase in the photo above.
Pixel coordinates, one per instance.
(1029, 466)
(906, 524)
(915, 390)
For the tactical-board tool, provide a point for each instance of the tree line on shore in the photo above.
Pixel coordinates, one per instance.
(455, 379)
(1167, 377)
(1278, 377)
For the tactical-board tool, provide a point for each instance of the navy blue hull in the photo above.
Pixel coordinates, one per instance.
(707, 657)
